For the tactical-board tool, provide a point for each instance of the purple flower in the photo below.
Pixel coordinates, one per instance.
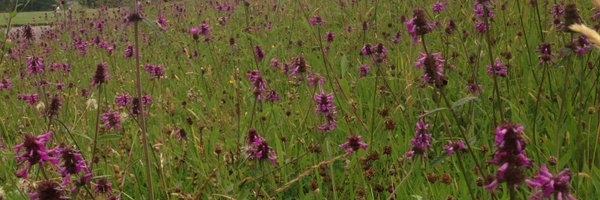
(259, 84)
(180, 133)
(550, 185)
(72, 164)
(259, 54)
(439, 6)
(474, 88)
(5, 84)
(378, 52)
(480, 9)
(581, 45)
(258, 148)
(101, 75)
(354, 143)
(433, 67)
(103, 186)
(363, 70)
(31, 99)
(329, 36)
(454, 146)
(157, 71)
(315, 79)
(509, 156)
(272, 96)
(275, 63)
(123, 99)
(480, 26)
(421, 142)
(129, 51)
(297, 65)
(111, 120)
(500, 69)
(48, 190)
(35, 65)
(325, 106)
(316, 20)
(162, 22)
(34, 152)
(545, 51)
(418, 25)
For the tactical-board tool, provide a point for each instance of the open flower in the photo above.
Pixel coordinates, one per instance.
(551, 186)
(34, 152)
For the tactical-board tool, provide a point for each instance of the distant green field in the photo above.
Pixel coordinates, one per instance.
(41, 17)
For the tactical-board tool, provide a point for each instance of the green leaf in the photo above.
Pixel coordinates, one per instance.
(108, 137)
(429, 112)
(462, 101)
(344, 65)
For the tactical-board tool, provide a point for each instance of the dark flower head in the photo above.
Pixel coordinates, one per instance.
(354, 143)
(72, 164)
(571, 16)
(103, 186)
(420, 22)
(28, 32)
(326, 107)
(259, 54)
(55, 106)
(316, 20)
(48, 190)
(134, 17)
(112, 120)
(101, 76)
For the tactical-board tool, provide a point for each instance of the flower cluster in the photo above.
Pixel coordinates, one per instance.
(325, 106)
(509, 156)
(421, 142)
(31, 99)
(258, 148)
(378, 52)
(72, 164)
(204, 30)
(545, 51)
(259, 87)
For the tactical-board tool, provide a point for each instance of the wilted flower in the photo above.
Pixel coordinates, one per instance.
(129, 51)
(354, 143)
(259, 54)
(545, 51)
(259, 84)
(180, 133)
(103, 186)
(55, 106)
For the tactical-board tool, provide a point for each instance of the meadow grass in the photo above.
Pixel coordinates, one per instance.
(206, 93)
